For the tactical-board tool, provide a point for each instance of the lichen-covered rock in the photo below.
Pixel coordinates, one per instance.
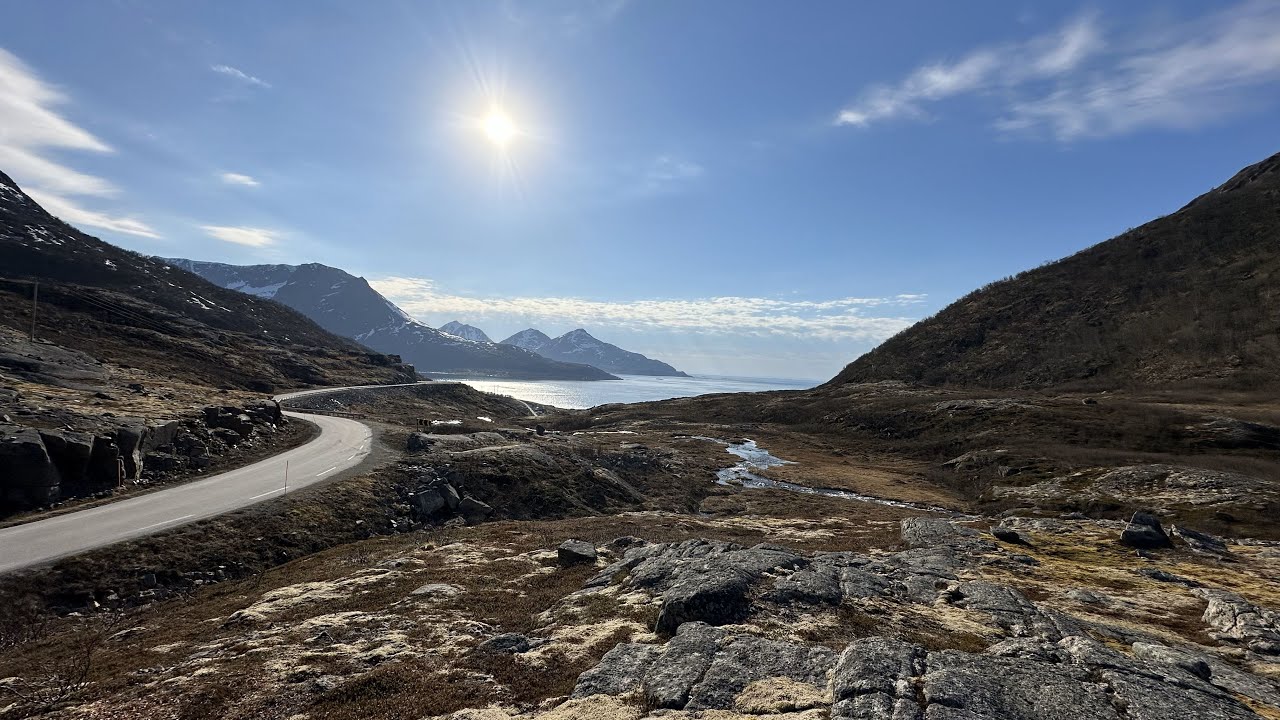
(682, 664)
(920, 532)
(744, 659)
(875, 679)
(1231, 617)
(619, 672)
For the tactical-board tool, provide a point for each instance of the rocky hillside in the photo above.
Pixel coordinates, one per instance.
(346, 305)
(579, 346)
(1190, 298)
(466, 332)
(122, 308)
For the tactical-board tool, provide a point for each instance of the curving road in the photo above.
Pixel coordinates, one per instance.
(341, 444)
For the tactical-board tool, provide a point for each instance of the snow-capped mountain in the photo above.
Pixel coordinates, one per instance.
(579, 346)
(531, 340)
(344, 304)
(466, 332)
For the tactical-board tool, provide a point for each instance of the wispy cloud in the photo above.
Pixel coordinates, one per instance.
(240, 75)
(31, 130)
(231, 178)
(862, 319)
(981, 69)
(251, 236)
(1183, 78)
(78, 216)
(1079, 82)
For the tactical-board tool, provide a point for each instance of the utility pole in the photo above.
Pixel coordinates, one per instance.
(35, 299)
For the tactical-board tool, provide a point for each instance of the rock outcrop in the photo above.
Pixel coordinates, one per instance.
(1036, 663)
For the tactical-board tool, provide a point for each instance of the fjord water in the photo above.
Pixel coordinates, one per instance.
(578, 394)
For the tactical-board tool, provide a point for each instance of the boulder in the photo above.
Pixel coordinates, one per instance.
(160, 462)
(132, 440)
(106, 470)
(230, 437)
(1232, 618)
(70, 453)
(473, 510)
(576, 552)
(1007, 534)
(716, 596)
(419, 442)
(510, 644)
(160, 434)
(228, 418)
(265, 411)
(1197, 540)
(189, 445)
(28, 478)
(1144, 532)
(428, 502)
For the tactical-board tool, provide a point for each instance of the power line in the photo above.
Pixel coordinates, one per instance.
(127, 314)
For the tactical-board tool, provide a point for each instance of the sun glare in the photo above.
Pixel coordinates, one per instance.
(499, 128)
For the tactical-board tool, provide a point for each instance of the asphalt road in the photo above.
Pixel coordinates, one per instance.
(341, 444)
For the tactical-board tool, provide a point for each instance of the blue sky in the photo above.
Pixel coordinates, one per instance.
(738, 187)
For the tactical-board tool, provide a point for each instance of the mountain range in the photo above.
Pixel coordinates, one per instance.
(581, 347)
(348, 306)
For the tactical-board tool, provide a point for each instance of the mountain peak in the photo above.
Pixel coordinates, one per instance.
(464, 331)
(580, 346)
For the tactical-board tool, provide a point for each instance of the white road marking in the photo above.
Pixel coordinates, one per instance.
(269, 492)
(352, 456)
(166, 522)
(326, 472)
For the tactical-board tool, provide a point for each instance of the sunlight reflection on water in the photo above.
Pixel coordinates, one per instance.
(579, 394)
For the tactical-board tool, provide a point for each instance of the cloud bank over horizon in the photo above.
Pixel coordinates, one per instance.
(780, 337)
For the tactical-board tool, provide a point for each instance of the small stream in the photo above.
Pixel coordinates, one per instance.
(755, 458)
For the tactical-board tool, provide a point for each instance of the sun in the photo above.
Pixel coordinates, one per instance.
(499, 128)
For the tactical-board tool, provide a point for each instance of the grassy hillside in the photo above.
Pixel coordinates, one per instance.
(1191, 298)
(130, 310)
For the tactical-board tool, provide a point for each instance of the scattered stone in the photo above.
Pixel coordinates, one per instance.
(1196, 540)
(1144, 532)
(510, 644)
(1007, 534)
(1167, 577)
(473, 510)
(419, 442)
(443, 590)
(1081, 595)
(576, 552)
